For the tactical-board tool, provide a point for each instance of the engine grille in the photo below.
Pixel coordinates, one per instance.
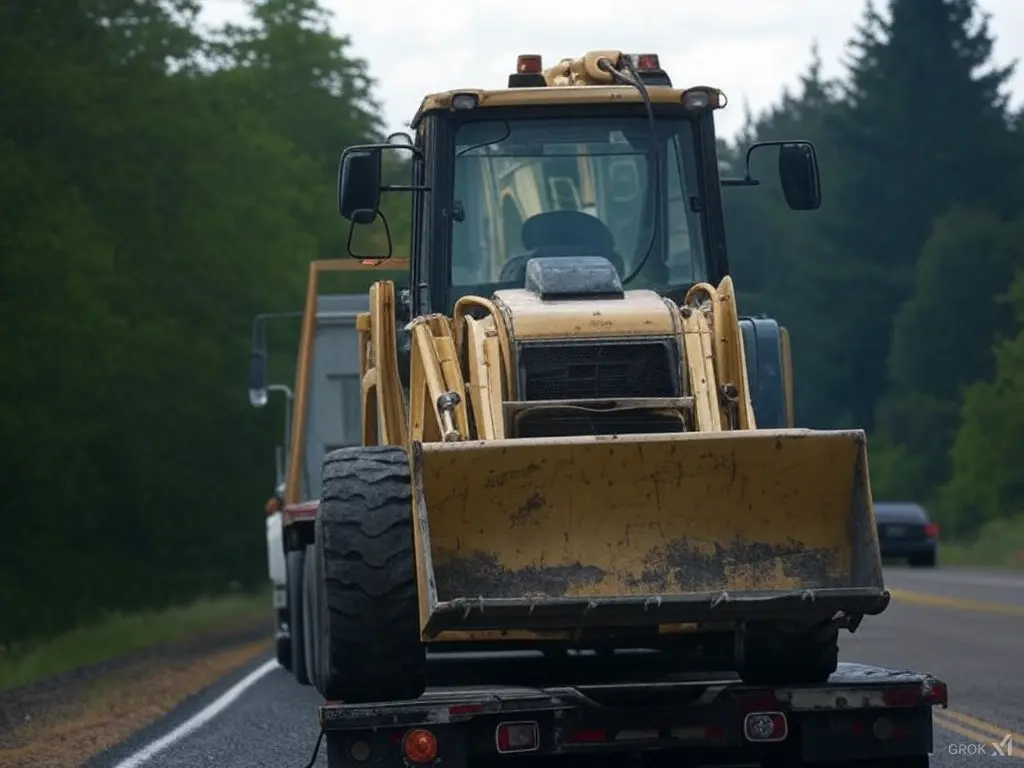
(598, 369)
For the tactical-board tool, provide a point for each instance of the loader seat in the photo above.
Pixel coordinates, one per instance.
(562, 233)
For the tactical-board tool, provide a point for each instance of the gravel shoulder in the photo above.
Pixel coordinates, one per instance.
(64, 720)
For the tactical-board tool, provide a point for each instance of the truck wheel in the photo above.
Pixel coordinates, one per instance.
(296, 566)
(309, 617)
(370, 634)
(774, 654)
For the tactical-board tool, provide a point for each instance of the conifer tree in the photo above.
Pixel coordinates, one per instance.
(924, 127)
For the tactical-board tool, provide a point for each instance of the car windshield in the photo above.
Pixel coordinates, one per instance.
(574, 186)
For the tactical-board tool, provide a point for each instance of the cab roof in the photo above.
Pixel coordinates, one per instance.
(574, 81)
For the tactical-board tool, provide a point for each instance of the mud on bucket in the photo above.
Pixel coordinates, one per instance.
(530, 534)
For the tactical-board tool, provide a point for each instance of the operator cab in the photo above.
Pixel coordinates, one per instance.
(563, 182)
(596, 156)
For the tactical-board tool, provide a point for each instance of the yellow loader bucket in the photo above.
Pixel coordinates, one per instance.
(555, 533)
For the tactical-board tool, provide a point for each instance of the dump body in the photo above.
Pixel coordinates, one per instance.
(704, 720)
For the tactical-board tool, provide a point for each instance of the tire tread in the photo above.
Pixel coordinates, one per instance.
(365, 535)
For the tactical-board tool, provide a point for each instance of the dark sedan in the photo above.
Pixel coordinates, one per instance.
(905, 531)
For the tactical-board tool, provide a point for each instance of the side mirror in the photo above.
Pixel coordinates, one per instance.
(258, 379)
(798, 174)
(359, 181)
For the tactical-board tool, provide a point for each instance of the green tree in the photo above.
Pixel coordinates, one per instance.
(988, 452)
(935, 347)
(909, 159)
(153, 206)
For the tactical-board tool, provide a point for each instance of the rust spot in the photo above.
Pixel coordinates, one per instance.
(524, 514)
(481, 575)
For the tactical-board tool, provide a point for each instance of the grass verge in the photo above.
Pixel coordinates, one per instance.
(117, 634)
(999, 544)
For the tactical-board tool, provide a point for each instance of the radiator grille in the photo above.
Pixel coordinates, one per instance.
(599, 370)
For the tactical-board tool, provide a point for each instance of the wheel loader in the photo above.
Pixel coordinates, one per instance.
(571, 439)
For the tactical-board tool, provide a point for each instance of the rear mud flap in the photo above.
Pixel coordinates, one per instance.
(642, 530)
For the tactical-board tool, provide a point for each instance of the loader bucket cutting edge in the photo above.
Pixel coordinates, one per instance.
(527, 533)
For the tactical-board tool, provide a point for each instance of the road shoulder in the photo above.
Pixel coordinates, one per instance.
(110, 707)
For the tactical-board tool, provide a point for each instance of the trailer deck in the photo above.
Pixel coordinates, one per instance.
(862, 712)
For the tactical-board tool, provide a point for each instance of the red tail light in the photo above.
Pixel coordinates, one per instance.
(517, 737)
(588, 736)
(931, 530)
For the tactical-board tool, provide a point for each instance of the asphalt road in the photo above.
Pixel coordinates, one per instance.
(965, 626)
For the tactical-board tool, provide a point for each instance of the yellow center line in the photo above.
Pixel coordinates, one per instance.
(981, 725)
(975, 735)
(956, 603)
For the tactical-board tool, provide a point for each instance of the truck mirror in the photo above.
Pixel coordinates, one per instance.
(359, 179)
(258, 379)
(798, 174)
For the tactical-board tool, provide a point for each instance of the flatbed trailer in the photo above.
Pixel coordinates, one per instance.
(864, 716)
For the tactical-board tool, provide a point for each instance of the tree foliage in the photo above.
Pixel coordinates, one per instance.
(160, 189)
(988, 453)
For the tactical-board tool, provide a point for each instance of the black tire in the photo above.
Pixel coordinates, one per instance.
(922, 560)
(775, 654)
(309, 617)
(296, 566)
(369, 633)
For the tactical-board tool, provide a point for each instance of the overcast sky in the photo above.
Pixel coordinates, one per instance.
(750, 49)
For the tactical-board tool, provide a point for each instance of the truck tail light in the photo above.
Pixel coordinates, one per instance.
(419, 746)
(517, 737)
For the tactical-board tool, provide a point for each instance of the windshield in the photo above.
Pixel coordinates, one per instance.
(509, 171)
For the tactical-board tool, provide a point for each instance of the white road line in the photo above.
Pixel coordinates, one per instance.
(200, 718)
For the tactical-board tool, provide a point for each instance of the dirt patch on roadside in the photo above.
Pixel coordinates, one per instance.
(62, 722)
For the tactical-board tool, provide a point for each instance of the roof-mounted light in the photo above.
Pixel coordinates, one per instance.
(463, 101)
(646, 62)
(529, 64)
(648, 67)
(703, 97)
